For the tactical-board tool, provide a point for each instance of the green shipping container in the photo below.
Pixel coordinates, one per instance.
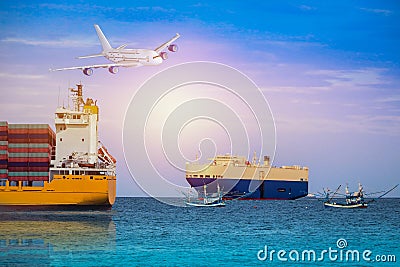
(28, 155)
(18, 126)
(38, 126)
(27, 145)
(38, 173)
(11, 174)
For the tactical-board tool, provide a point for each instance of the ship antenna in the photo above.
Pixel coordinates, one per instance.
(254, 158)
(63, 99)
(58, 99)
(68, 95)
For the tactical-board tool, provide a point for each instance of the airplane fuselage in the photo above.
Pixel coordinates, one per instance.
(139, 56)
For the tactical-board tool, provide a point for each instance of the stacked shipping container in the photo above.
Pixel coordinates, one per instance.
(3, 149)
(26, 151)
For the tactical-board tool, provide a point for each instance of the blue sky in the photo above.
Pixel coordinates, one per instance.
(329, 70)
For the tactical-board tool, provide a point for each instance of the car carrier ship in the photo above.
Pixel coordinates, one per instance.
(239, 178)
(68, 167)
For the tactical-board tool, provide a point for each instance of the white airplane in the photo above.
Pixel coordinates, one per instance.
(122, 57)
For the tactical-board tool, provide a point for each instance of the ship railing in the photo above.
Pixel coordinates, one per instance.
(80, 171)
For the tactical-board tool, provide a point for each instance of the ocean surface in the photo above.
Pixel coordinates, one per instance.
(145, 232)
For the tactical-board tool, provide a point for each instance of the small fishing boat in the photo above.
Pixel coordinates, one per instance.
(215, 204)
(345, 206)
(355, 200)
(208, 201)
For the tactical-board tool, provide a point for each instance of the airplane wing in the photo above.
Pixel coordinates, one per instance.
(164, 45)
(91, 56)
(96, 66)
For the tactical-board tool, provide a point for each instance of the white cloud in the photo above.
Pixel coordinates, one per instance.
(91, 8)
(384, 12)
(303, 81)
(352, 78)
(73, 42)
(379, 124)
(361, 100)
(295, 89)
(307, 8)
(287, 41)
(389, 99)
(21, 76)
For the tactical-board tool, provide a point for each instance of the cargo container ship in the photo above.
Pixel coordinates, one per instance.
(239, 178)
(68, 167)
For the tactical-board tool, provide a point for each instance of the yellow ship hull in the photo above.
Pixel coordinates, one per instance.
(62, 190)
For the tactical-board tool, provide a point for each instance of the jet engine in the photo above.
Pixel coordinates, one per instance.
(164, 55)
(173, 48)
(113, 69)
(88, 71)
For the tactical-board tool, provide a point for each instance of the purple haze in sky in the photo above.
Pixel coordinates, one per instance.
(329, 70)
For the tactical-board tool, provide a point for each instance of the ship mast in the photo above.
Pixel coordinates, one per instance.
(254, 162)
(77, 99)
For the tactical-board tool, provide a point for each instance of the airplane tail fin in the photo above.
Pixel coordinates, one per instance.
(103, 40)
(164, 45)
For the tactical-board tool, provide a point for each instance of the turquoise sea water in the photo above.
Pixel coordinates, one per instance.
(145, 232)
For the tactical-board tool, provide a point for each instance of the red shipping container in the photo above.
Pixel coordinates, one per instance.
(36, 132)
(17, 136)
(18, 178)
(17, 159)
(39, 150)
(18, 169)
(39, 141)
(17, 131)
(37, 160)
(38, 178)
(3, 176)
(39, 136)
(18, 150)
(38, 169)
(19, 140)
